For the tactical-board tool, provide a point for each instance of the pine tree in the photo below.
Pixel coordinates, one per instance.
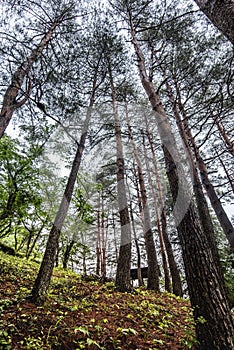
(42, 282)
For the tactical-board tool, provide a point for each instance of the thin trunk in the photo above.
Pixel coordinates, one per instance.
(214, 199)
(139, 275)
(83, 253)
(57, 257)
(221, 14)
(140, 206)
(68, 253)
(84, 264)
(10, 102)
(103, 266)
(42, 282)
(98, 263)
(175, 274)
(114, 230)
(16, 236)
(31, 247)
(139, 199)
(28, 239)
(231, 182)
(206, 291)
(156, 210)
(124, 261)
(216, 203)
(153, 270)
(226, 139)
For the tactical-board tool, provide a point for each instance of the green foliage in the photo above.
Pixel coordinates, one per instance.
(85, 210)
(229, 277)
(227, 259)
(32, 343)
(17, 185)
(127, 331)
(21, 214)
(5, 340)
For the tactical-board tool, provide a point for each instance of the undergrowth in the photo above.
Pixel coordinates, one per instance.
(83, 313)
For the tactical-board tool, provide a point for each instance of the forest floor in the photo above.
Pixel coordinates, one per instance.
(83, 313)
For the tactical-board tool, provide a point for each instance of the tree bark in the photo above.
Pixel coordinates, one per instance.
(175, 274)
(214, 324)
(221, 14)
(122, 281)
(213, 319)
(10, 103)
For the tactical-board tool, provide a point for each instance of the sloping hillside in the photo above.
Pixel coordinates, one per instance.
(81, 313)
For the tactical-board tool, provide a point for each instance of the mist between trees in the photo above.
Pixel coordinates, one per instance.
(124, 149)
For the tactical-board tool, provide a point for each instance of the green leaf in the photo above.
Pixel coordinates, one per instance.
(81, 329)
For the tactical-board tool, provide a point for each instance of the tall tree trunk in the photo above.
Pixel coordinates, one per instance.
(202, 205)
(175, 274)
(214, 199)
(124, 261)
(167, 279)
(42, 282)
(10, 103)
(221, 14)
(213, 319)
(153, 270)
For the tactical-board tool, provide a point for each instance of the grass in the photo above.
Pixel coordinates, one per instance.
(83, 313)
